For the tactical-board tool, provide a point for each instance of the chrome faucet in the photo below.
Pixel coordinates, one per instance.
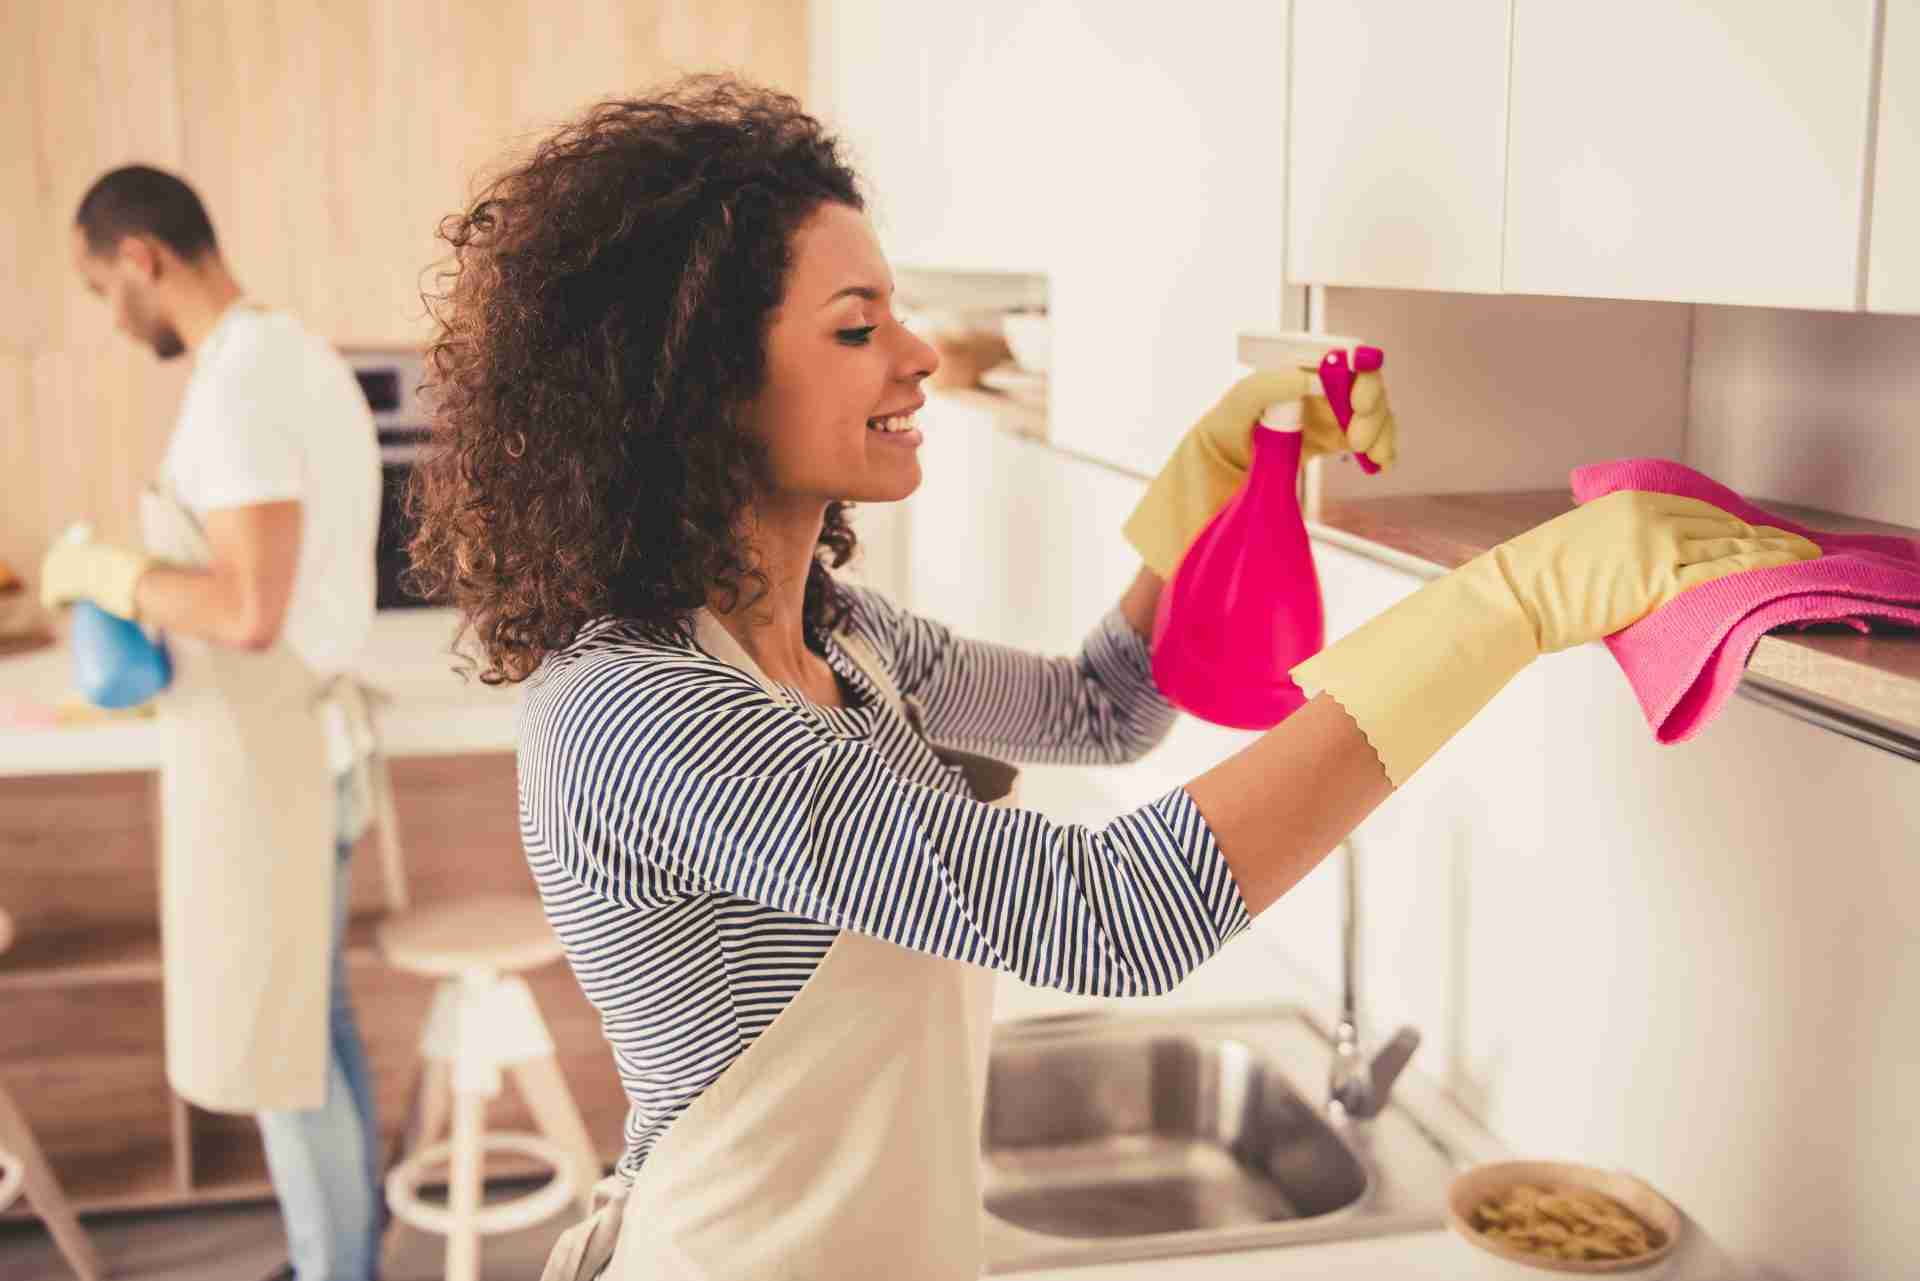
(1358, 1089)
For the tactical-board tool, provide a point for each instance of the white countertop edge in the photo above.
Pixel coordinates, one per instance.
(421, 708)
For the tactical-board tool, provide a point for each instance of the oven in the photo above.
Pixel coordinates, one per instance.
(390, 379)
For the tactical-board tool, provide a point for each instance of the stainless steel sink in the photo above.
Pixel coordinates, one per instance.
(1110, 1137)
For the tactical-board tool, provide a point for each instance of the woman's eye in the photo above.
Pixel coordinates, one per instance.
(857, 337)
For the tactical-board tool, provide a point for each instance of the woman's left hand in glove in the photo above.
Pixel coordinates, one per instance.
(1210, 463)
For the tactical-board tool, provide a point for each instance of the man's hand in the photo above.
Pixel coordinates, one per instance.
(87, 570)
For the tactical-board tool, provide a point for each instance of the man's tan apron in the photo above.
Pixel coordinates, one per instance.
(246, 862)
(845, 1141)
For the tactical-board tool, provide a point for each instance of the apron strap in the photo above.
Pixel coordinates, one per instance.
(990, 779)
(372, 778)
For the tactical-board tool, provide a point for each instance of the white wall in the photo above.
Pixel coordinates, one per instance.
(1813, 407)
(1504, 392)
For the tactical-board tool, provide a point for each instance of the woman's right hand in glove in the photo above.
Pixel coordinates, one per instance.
(1412, 677)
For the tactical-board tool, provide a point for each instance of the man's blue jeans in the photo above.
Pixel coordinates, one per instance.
(325, 1162)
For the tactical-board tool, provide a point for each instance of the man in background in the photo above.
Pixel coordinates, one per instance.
(259, 571)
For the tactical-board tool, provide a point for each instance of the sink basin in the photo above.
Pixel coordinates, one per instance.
(1123, 1137)
(1169, 1132)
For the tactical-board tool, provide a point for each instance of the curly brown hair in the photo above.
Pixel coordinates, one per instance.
(600, 327)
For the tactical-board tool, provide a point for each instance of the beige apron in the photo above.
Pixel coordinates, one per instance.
(246, 863)
(845, 1141)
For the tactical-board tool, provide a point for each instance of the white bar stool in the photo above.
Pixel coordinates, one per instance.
(24, 1169)
(484, 1021)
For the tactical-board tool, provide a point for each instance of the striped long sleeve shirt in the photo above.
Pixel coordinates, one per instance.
(698, 842)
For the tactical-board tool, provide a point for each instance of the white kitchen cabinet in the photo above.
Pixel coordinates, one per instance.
(1171, 165)
(1690, 150)
(1893, 253)
(1398, 138)
(949, 112)
(993, 79)
(1137, 162)
(870, 83)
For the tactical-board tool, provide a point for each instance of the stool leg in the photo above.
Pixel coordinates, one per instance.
(44, 1194)
(554, 1111)
(464, 1188)
(429, 1108)
(435, 1107)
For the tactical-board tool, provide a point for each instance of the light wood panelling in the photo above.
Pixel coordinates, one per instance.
(102, 94)
(86, 410)
(23, 312)
(328, 142)
(21, 499)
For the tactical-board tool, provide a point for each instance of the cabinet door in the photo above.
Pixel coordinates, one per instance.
(1691, 150)
(1398, 138)
(1893, 266)
(990, 200)
(870, 84)
(1172, 168)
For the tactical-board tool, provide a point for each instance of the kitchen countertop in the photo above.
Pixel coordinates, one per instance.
(1250, 971)
(1421, 1256)
(421, 708)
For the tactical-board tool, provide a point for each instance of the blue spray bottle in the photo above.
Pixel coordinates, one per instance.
(115, 664)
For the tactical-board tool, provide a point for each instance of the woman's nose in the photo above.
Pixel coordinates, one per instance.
(920, 358)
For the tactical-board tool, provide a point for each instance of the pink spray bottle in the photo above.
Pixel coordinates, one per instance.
(1243, 606)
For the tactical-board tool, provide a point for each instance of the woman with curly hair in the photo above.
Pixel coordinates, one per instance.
(762, 806)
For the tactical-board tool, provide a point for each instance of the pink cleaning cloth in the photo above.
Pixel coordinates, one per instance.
(1684, 659)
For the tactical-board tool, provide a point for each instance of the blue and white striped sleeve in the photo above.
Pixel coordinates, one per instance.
(692, 770)
(1100, 707)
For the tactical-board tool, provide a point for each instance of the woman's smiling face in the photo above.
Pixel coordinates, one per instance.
(843, 375)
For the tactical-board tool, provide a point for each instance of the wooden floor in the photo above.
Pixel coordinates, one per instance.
(246, 1243)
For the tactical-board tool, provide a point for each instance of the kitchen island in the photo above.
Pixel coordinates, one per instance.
(81, 1040)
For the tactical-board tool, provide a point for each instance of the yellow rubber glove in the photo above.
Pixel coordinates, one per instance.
(1210, 463)
(81, 569)
(1412, 677)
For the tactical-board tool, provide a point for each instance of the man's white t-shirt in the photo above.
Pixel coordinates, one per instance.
(273, 413)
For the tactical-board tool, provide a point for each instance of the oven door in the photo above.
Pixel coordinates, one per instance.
(390, 550)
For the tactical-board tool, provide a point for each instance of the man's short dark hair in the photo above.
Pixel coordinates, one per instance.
(140, 200)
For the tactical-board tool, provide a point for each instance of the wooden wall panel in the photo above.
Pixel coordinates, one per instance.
(23, 311)
(21, 501)
(328, 142)
(103, 95)
(102, 412)
(87, 410)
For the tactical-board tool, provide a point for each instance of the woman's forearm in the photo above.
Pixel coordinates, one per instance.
(1141, 600)
(1280, 805)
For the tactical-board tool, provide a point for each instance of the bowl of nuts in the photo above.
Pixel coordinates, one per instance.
(1557, 1216)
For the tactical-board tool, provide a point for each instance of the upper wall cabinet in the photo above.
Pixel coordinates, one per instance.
(1893, 253)
(1171, 165)
(1137, 162)
(1688, 150)
(1398, 143)
(952, 116)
